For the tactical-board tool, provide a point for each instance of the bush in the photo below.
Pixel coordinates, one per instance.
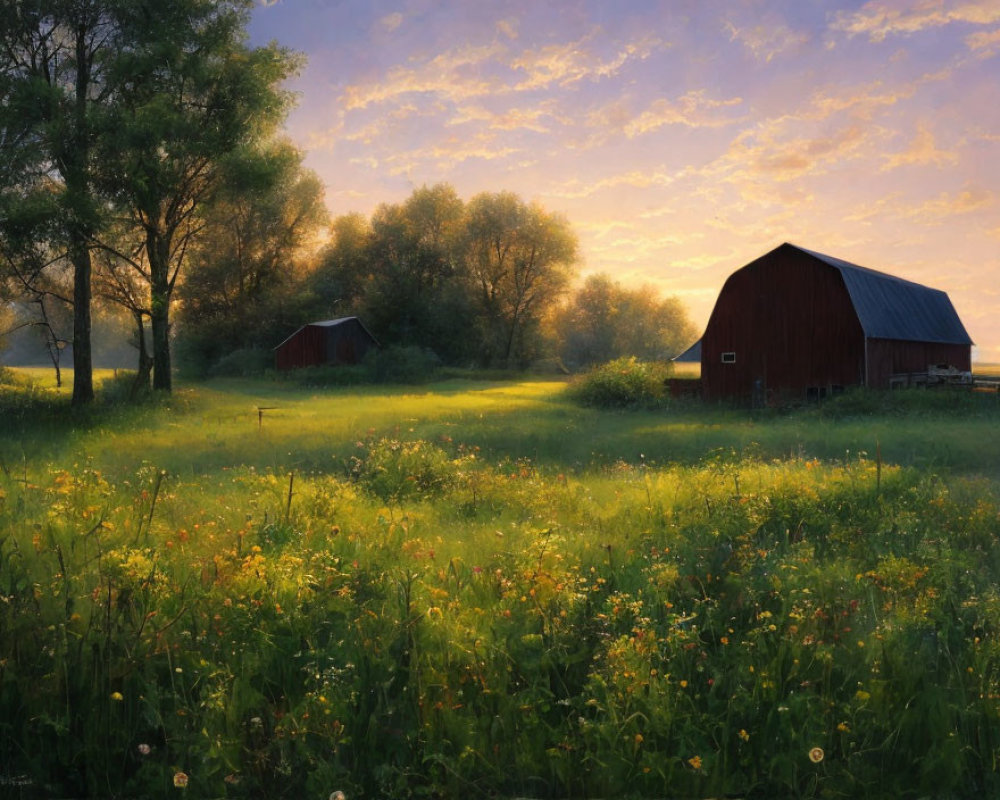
(624, 383)
(398, 364)
(393, 470)
(243, 363)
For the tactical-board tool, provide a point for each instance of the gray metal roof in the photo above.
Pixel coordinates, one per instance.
(892, 308)
(327, 323)
(690, 356)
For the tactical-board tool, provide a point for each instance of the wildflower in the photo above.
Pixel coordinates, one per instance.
(695, 762)
(180, 780)
(744, 735)
(816, 755)
(638, 738)
(144, 749)
(338, 795)
(117, 697)
(684, 684)
(843, 727)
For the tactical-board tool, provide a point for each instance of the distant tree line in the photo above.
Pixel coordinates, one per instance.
(488, 283)
(142, 170)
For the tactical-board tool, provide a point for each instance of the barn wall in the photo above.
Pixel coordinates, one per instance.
(887, 357)
(348, 343)
(305, 348)
(790, 322)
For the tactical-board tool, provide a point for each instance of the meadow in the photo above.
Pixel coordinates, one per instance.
(475, 588)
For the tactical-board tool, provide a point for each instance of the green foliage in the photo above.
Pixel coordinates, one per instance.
(395, 364)
(395, 470)
(244, 362)
(423, 613)
(603, 320)
(389, 365)
(122, 388)
(624, 383)
(912, 402)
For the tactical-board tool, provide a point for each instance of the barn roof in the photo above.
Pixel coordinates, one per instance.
(892, 308)
(328, 323)
(691, 355)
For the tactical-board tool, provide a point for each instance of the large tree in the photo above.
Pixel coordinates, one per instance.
(192, 95)
(55, 62)
(520, 259)
(244, 284)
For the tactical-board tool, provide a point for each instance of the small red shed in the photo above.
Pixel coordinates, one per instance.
(799, 324)
(330, 342)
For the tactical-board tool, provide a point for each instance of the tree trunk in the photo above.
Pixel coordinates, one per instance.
(160, 323)
(83, 364)
(145, 368)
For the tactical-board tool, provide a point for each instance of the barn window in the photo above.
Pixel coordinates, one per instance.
(729, 358)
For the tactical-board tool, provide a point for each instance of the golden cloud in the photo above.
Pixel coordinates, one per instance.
(767, 40)
(693, 110)
(879, 19)
(922, 152)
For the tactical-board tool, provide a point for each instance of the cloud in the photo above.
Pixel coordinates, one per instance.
(693, 110)
(564, 64)
(639, 179)
(530, 119)
(390, 22)
(472, 71)
(449, 153)
(971, 198)
(921, 152)
(879, 19)
(767, 40)
(454, 74)
(508, 27)
(759, 153)
(984, 43)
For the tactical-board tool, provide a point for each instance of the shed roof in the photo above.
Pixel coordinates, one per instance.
(892, 308)
(328, 323)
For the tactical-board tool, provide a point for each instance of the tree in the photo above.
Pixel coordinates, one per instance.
(342, 274)
(520, 259)
(403, 273)
(244, 283)
(54, 84)
(192, 95)
(604, 321)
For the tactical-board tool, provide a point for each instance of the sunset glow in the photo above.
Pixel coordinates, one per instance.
(681, 138)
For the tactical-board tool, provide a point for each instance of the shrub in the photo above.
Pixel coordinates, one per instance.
(243, 363)
(624, 383)
(398, 364)
(392, 469)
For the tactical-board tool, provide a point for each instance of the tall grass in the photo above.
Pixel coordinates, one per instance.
(382, 593)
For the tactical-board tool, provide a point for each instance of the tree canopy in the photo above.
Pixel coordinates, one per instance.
(122, 115)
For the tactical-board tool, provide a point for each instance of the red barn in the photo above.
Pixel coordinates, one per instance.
(798, 324)
(331, 342)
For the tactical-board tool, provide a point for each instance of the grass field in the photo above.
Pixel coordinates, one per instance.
(479, 588)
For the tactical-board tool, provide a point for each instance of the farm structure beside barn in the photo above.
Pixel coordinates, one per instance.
(330, 342)
(799, 324)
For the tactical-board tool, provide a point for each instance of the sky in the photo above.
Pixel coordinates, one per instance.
(680, 138)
